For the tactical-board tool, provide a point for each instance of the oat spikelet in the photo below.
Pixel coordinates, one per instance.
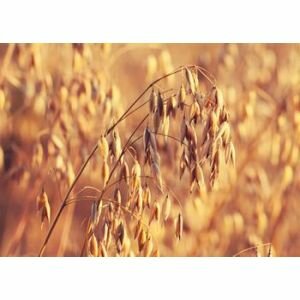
(105, 172)
(160, 105)
(136, 173)
(103, 147)
(196, 79)
(190, 80)
(126, 246)
(179, 226)
(139, 202)
(197, 177)
(287, 177)
(191, 134)
(147, 196)
(213, 124)
(153, 101)
(181, 97)
(2, 100)
(138, 229)
(93, 246)
(142, 240)
(182, 164)
(155, 214)
(96, 212)
(232, 153)
(120, 236)
(195, 112)
(102, 250)
(149, 140)
(124, 172)
(156, 121)
(166, 126)
(224, 132)
(157, 174)
(171, 107)
(148, 247)
(166, 208)
(106, 234)
(116, 146)
(118, 200)
(70, 173)
(183, 129)
(44, 206)
(219, 100)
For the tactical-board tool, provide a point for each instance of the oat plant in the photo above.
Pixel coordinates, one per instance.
(133, 193)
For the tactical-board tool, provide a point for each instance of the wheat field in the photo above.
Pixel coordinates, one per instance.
(149, 149)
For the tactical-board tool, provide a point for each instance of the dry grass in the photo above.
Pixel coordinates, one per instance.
(112, 150)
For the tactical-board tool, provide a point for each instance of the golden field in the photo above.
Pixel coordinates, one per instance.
(149, 149)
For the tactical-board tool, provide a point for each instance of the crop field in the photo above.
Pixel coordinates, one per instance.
(149, 150)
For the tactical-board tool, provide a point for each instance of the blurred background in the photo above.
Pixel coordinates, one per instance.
(56, 100)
